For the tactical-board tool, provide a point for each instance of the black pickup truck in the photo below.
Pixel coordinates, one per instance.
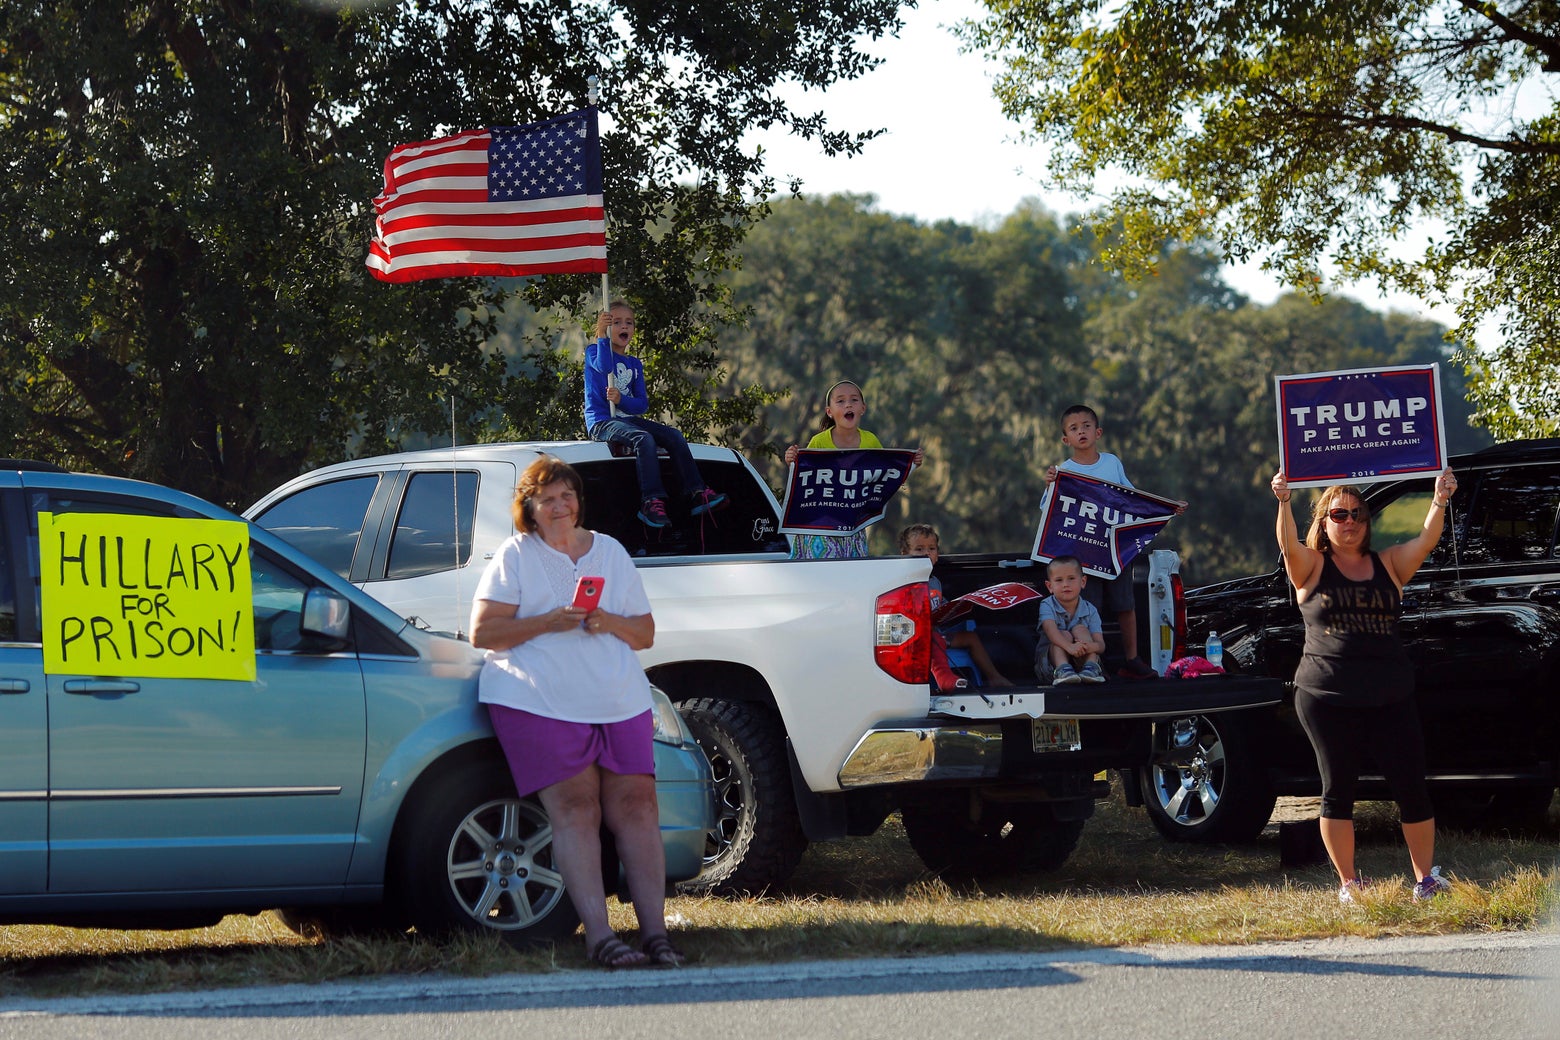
(1481, 621)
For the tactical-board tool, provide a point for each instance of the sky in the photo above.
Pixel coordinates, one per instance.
(949, 153)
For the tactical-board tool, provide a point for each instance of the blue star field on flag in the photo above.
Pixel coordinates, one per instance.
(540, 161)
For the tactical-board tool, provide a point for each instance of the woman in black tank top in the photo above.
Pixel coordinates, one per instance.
(1354, 685)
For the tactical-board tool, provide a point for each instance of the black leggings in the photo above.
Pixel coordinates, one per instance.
(1345, 737)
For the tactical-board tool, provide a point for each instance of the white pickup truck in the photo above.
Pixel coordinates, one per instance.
(806, 682)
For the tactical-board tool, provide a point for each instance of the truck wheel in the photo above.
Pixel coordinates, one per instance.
(758, 837)
(1007, 839)
(1203, 782)
(474, 858)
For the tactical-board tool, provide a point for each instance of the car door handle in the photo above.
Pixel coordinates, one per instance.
(101, 686)
(14, 686)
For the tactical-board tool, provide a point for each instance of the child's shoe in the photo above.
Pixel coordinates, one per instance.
(1066, 675)
(704, 501)
(1430, 886)
(653, 513)
(1091, 672)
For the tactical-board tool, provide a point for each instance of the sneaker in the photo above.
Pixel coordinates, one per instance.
(653, 513)
(1134, 668)
(1091, 672)
(1066, 675)
(704, 501)
(1350, 892)
(1430, 886)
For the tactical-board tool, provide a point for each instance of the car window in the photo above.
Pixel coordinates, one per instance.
(278, 603)
(1512, 516)
(747, 524)
(325, 520)
(7, 584)
(59, 500)
(433, 529)
(1400, 519)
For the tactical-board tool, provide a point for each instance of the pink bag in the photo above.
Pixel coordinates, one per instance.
(1191, 668)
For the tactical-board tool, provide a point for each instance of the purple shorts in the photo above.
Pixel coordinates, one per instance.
(543, 751)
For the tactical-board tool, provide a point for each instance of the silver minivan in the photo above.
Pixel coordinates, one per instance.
(351, 778)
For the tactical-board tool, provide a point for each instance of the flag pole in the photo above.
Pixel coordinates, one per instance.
(593, 96)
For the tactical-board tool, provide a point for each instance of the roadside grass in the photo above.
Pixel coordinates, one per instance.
(871, 897)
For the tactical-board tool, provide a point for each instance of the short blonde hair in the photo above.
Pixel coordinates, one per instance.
(545, 471)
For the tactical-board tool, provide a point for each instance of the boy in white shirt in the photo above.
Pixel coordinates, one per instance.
(1081, 432)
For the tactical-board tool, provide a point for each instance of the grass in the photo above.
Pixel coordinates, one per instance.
(871, 897)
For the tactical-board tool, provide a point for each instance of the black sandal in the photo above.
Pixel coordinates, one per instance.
(611, 951)
(661, 952)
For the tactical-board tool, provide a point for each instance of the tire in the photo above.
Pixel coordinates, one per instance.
(474, 858)
(1204, 783)
(758, 838)
(1007, 839)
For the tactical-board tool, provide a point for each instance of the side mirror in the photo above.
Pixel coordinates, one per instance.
(326, 615)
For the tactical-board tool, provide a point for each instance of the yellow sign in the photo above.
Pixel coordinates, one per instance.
(146, 596)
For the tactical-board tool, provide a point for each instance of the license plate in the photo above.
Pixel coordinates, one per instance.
(1055, 734)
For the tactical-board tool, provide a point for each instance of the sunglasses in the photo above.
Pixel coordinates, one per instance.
(1338, 516)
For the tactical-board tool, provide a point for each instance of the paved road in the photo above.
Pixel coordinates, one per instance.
(1490, 987)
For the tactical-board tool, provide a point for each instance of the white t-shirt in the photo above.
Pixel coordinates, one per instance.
(573, 676)
(1106, 467)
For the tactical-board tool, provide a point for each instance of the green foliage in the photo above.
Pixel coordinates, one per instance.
(186, 209)
(1316, 134)
(969, 343)
(964, 343)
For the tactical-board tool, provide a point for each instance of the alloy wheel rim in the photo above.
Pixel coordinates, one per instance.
(500, 865)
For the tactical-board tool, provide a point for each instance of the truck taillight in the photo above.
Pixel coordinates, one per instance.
(903, 633)
(1178, 598)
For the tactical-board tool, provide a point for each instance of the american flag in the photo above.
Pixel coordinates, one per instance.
(508, 200)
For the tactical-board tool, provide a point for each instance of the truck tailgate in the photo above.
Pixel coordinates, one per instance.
(1160, 699)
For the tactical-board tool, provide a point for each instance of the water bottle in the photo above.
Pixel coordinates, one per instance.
(1214, 650)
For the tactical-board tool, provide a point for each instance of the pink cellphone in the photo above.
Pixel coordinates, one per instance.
(587, 592)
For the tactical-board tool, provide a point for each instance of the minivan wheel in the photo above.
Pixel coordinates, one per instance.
(1203, 782)
(475, 858)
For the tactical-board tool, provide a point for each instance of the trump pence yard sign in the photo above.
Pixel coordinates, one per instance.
(1361, 425)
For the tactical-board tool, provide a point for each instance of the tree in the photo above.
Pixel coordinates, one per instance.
(965, 342)
(1317, 133)
(1183, 381)
(970, 342)
(186, 207)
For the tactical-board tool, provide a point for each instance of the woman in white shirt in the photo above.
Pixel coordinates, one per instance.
(571, 705)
